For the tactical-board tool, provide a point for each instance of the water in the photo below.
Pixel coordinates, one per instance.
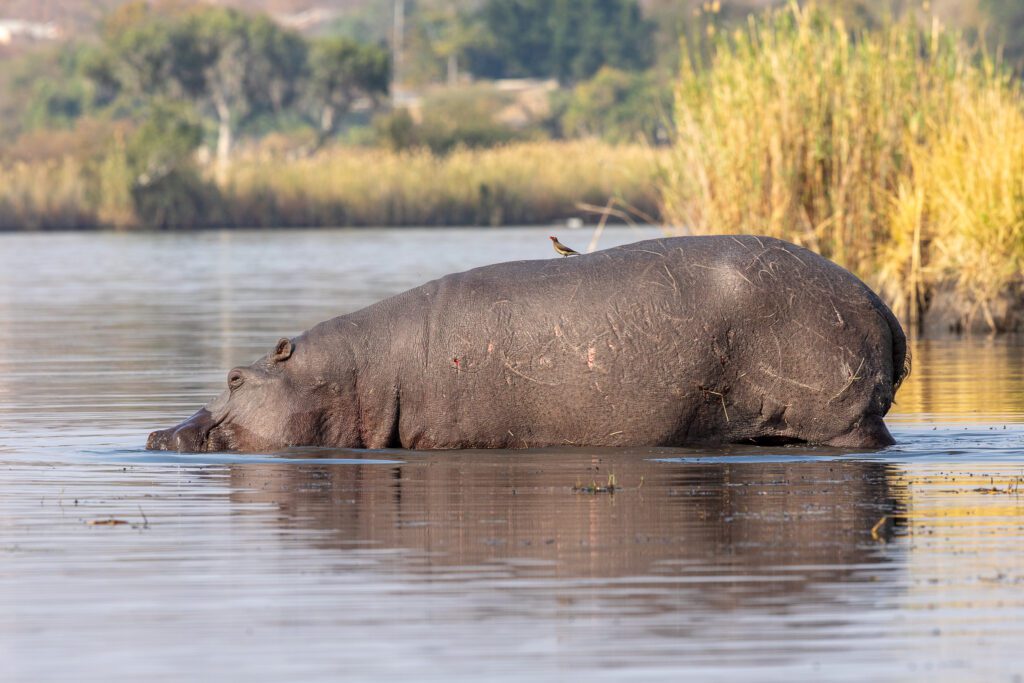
(321, 565)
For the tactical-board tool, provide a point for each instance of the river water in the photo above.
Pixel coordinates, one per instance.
(781, 564)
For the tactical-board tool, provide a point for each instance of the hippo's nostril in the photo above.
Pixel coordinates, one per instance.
(188, 437)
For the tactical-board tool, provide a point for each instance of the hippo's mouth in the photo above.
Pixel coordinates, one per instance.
(191, 436)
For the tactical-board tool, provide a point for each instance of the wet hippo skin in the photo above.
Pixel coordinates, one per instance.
(686, 340)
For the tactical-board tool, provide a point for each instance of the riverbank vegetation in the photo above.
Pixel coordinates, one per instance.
(897, 152)
(188, 115)
(526, 183)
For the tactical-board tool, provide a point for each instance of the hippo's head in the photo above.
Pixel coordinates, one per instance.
(272, 404)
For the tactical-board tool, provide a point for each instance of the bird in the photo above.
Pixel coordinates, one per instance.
(562, 249)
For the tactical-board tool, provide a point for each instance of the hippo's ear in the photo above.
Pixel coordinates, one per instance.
(283, 351)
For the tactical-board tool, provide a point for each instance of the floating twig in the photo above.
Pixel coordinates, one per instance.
(106, 522)
(876, 527)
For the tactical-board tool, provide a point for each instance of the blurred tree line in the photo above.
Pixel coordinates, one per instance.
(211, 74)
(239, 73)
(232, 68)
(177, 74)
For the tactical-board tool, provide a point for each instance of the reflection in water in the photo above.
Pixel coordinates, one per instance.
(684, 543)
(963, 380)
(463, 509)
(739, 563)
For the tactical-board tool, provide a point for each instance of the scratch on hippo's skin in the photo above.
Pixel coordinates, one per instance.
(648, 251)
(786, 251)
(813, 331)
(575, 291)
(721, 397)
(768, 371)
(591, 356)
(499, 302)
(675, 285)
(563, 339)
(778, 348)
(851, 378)
(511, 369)
(767, 268)
(825, 339)
(745, 246)
(842, 323)
(734, 271)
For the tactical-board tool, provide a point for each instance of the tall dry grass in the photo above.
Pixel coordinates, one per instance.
(525, 183)
(53, 194)
(895, 152)
(958, 219)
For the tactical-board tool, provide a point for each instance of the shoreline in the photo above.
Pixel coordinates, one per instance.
(113, 230)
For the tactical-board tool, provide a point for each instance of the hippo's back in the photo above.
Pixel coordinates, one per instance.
(662, 342)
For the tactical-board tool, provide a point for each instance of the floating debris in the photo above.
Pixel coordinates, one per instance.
(106, 522)
(1013, 488)
(876, 527)
(594, 488)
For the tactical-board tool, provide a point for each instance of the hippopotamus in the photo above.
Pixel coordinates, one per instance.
(701, 340)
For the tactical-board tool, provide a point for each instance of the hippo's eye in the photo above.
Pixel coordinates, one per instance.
(235, 379)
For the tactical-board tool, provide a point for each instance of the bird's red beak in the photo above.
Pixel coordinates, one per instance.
(553, 239)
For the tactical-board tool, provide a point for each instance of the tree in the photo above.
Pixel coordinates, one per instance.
(230, 65)
(341, 71)
(1008, 16)
(521, 38)
(565, 39)
(619, 106)
(452, 35)
(242, 64)
(48, 88)
(166, 188)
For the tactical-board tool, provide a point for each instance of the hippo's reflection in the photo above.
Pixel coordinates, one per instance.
(785, 524)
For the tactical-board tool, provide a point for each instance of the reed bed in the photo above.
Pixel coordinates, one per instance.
(959, 219)
(51, 194)
(895, 152)
(527, 183)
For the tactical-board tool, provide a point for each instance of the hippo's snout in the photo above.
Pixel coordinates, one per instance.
(188, 437)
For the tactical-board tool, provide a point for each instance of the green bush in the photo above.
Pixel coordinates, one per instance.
(166, 187)
(395, 130)
(457, 117)
(618, 106)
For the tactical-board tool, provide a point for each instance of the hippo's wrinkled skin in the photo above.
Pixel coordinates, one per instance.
(687, 340)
